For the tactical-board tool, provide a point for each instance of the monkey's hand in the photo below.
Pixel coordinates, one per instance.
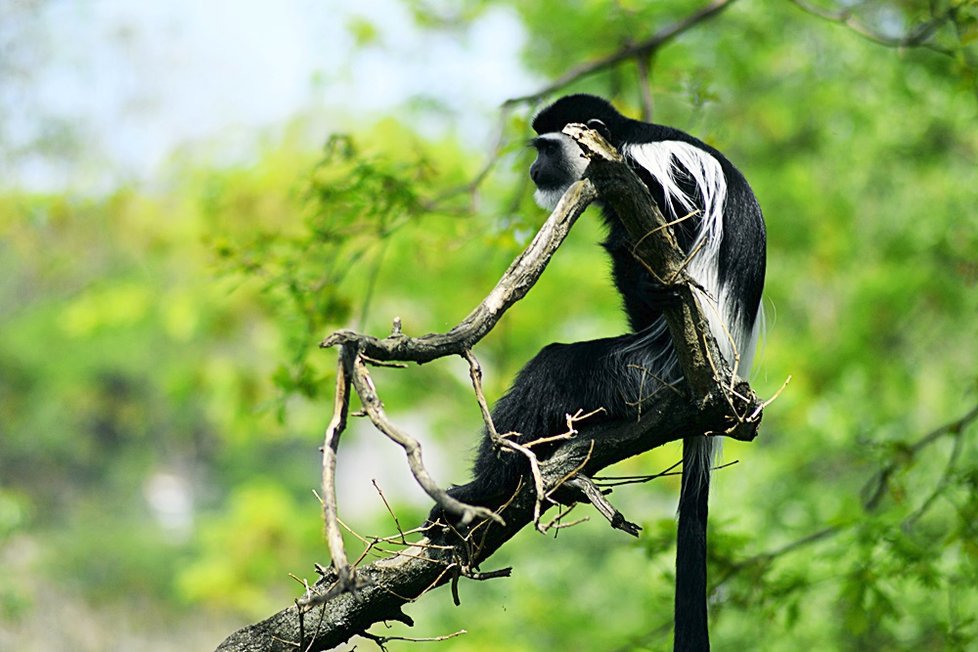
(660, 296)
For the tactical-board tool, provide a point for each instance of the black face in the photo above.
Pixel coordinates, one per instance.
(559, 163)
(547, 172)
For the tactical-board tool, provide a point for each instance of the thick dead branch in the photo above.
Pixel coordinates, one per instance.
(387, 585)
(703, 366)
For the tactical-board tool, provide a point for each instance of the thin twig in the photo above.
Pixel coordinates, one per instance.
(331, 441)
(616, 481)
(555, 522)
(642, 48)
(942, 484)
(917, 37)
(876, 487)
(412, 448)
(382, 640)
(595, 496)
(390, 511)
(763, 405)
(571, 431)
(504, 441)
(475, 374)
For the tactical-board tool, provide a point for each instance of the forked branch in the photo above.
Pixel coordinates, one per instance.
(712, 401)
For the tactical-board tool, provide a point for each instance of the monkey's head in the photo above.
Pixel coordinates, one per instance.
(559, 161)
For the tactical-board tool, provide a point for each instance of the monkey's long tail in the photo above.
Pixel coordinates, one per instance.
(692, 630)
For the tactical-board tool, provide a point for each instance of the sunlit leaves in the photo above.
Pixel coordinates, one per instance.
(347, 205)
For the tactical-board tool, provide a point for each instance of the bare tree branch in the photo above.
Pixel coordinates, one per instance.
(919, 36)
(643, 48)
(513, 286)
(385, 586)
(333, 611)
(642, 52)
(704, 369)
(412, 448)
(341, 406)
(475, 373)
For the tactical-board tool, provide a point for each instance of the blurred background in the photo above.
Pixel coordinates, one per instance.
(192, 195)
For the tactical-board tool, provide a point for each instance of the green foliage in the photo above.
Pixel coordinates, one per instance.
(174, 331)
(234, 566)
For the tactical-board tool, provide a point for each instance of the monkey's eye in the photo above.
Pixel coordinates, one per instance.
(543, 144)
(599, 127)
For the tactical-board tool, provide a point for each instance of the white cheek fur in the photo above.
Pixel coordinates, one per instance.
(548, 199)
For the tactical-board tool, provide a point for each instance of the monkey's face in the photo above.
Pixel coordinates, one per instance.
(559, 163)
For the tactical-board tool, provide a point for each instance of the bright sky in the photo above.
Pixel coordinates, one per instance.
(138, 79)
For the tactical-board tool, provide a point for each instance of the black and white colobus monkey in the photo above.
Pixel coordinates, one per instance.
(723, 232)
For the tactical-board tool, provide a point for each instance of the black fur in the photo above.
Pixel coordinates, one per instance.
(561, 379)
(608, 373)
